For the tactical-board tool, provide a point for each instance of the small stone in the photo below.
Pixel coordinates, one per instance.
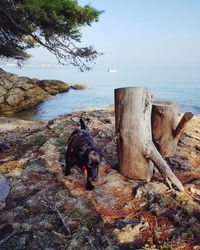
(194, 190)
(197, 147)
(43, 225)
(26, 227)
(4, 146)
(196, 247)
(151, 188)
(76, 119)
(19, 191)
(101, 134)
(73, 226)
(4, 191)
(16, 172)
(79, 86)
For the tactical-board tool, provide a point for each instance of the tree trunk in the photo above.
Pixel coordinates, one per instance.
(165, 131)
(136, 152)
(133, 127)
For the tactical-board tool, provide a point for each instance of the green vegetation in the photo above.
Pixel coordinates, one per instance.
(53, 24)
(23, 213)
(2, 170)
(62, 140)
(44, 210)
(73, 213)
(38, 139)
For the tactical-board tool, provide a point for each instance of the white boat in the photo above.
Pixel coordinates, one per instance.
(112, 70)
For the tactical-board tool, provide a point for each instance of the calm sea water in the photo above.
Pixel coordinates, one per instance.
(177, 84)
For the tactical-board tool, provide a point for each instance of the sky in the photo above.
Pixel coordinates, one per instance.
(142, 33)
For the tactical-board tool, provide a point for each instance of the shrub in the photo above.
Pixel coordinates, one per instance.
(62, 140)
(38, 139)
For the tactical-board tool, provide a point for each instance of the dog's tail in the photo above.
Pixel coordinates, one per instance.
(83, 126)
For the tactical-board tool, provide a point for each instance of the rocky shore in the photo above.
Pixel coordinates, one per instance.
(21, 93)
(40, 208)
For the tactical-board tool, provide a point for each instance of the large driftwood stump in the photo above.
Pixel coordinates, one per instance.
(165, 130)
(136, 151)
(133, 128)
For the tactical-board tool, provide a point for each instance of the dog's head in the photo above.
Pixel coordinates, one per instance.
(93, 157)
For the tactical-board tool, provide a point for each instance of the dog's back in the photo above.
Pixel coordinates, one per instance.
(82, 151)
(79, 141)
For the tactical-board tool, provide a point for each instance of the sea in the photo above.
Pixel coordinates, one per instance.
(176, 84)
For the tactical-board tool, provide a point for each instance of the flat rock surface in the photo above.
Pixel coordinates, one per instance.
(46, 210)
(8, 124)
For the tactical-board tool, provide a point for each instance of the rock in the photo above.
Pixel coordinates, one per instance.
(79, 86)
(2, 90)
(15, 96)
(51, 156)
(43, 225)
(151, 188)
(19, 191)
(16, 172)
(76, 119)
(4, 191)
(1, 99)
(196, 247)
(129, 232)
(110, 147)
(197, 147)
(20, 93)
(73, 225)
(101, 134)
(122, 222)
(4, 146)
(194, 190)
(12, 124)
(53, 86)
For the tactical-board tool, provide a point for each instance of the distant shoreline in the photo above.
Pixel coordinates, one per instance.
(181, 85)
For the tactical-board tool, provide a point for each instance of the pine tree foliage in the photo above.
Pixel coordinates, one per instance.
(53, 24)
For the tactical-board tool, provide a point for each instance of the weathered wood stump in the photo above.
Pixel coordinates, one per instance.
(132, 118)
(136, 151)
(165, 131)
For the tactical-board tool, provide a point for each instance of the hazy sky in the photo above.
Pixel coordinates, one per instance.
(143, 33)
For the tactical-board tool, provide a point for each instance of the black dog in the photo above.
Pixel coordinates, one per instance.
(83, 152)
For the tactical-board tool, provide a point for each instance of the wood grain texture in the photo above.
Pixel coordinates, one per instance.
(133, 126)
(166, 131)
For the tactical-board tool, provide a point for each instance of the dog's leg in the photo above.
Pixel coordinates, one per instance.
(67, 166)
(89, 185)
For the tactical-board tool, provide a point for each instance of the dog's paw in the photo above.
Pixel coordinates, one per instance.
(89, 186)
(67, 172)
